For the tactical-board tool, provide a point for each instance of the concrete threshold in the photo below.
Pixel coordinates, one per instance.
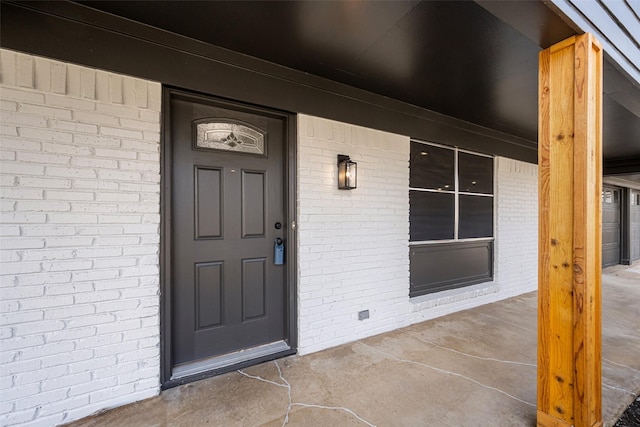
(472, 368)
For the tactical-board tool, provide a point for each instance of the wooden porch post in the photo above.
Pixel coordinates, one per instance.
(569, 268)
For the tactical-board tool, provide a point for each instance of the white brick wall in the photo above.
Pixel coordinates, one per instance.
(78, 240)
(79, 236)
(353, 245)
(516, 247)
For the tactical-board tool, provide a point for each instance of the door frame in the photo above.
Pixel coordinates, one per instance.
(289, 175)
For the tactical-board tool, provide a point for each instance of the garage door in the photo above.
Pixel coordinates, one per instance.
(635, 225)
(610, 226)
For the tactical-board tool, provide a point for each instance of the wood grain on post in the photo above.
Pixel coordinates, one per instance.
(569, 268)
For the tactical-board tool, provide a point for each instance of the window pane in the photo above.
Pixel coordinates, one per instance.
(431, 167)
(432, 215)
(476, 217)
(475, 173)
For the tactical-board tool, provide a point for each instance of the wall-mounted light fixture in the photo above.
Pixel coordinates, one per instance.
(347, 173)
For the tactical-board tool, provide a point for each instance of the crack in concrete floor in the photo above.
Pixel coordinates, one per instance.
(444, 371)
(490, 359)
(620, 364)
(620, 388)
(291, 404)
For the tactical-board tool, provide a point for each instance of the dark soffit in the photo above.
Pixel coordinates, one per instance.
(451, 57)
(473, 61)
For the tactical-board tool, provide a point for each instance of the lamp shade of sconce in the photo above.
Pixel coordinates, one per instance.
(347, 173)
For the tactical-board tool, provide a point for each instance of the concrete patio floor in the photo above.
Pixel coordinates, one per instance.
(472, 368)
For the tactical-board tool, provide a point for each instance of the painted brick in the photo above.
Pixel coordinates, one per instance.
(66, 405)
(39, 399)
(44, 182)
(8, 105)
(69, 102)
(43, 279)
(8, 130)
(7, 155)
(74, 288)
(52, 147)
(66, 381)
(98, 118)
(43, 206)
(115, 262)
(119, 176)
(67, 358)
(70, 172)
(121, 133)
(21, 243)
(48, 231)
(42, 110)
(75, 218)
(95, 163)
(102, 395)
(92, 386)
(21, 317)
(23, 119)
(16, 292)
(22, 193)
(321, 225)
(70, 159)
(120, 219)
(119, 154)
(96, 140)
(347, 264)
(46, 159)
(73, 126)
(8, 205)
(94, 207)
(19, 417)
(140, 125)
(139, 145)
(94, 363)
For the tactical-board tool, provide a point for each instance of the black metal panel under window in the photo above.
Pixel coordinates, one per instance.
(432, 215)
(441, 266)
(476, 217)
(451, 218)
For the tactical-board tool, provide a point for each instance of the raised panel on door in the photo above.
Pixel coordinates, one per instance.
(253, 203)
(208, 200)
(253, 288)
(209, 299)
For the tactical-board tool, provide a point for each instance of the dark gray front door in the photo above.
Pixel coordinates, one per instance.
(227, 209)
(610, 226)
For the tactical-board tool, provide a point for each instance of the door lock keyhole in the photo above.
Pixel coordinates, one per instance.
(278, 226)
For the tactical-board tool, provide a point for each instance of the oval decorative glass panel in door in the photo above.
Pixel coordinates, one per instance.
(229, 136)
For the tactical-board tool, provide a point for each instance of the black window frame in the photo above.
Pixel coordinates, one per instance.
(447, 263)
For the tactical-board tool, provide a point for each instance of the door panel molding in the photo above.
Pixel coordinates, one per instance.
(211, 183)
(289, 346)
(209, 282)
